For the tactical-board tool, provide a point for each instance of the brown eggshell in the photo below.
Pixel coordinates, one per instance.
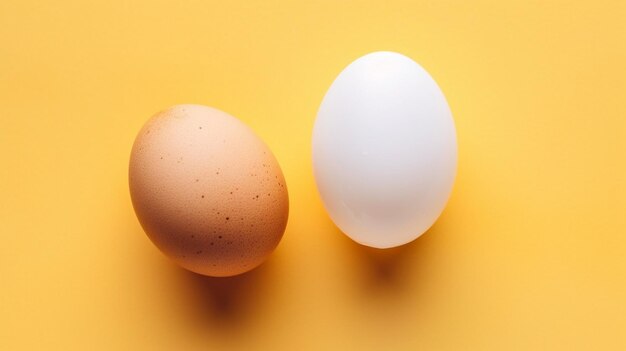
(207, 191)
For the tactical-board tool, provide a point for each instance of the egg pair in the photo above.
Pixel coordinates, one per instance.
(211, 195)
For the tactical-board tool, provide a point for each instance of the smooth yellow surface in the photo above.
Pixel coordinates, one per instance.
(529, 254)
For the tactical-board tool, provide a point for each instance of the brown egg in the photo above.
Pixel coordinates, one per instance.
(207, 191)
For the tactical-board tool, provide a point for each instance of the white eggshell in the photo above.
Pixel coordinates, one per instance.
(384, 150)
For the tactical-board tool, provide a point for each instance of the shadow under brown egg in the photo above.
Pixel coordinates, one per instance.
(229, 304)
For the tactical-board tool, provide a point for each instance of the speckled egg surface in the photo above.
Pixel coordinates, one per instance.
(207, 191)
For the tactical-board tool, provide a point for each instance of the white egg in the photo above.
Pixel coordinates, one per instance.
(384, 150)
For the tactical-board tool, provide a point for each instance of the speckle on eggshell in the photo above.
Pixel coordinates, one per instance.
(179, 203)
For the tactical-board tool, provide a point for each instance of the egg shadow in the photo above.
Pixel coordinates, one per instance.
(392, 269)
(225, 303)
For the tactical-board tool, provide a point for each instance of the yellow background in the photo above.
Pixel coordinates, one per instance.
(529, 254)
